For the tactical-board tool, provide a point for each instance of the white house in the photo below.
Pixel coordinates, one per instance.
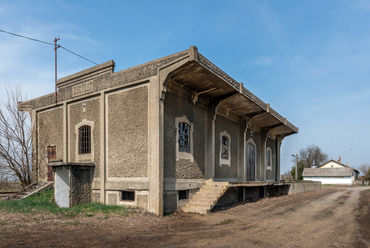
(332, 172)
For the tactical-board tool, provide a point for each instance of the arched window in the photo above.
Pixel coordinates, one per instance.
(269, 159)
(84, 139)
(225, 147)
(184, 137)
(251, 161)
(225, 142)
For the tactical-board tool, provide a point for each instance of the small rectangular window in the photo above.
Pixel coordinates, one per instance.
(183, 194)
(128, 196)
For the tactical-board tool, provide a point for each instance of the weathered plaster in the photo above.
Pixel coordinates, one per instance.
(127, 132)
(50, 130)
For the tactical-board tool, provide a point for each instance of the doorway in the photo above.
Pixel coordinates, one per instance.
(52, 154)
(251, 162)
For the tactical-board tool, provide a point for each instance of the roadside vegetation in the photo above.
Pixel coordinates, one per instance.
(44, 203)
(308, 157)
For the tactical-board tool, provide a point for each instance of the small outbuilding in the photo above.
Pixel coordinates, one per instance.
(332, 172)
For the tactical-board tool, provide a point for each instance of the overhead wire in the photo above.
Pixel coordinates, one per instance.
(78, 55)
(48, 43)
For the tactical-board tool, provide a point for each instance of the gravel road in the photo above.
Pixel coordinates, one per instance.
(332, 217)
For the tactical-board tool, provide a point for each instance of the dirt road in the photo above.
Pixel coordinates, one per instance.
(333, 217)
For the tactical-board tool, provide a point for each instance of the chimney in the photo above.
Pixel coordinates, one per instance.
(340, 159)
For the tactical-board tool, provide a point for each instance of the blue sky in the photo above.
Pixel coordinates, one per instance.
(309, 59)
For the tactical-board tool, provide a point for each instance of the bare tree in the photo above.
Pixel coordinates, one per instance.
(364, 168)
(309, 157)
(312, 156)
(286, 176)
(15, 137)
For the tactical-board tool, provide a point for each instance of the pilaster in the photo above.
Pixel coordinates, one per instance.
(103, 162)
(155, 146)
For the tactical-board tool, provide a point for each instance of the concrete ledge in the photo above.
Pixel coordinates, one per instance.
(107, 67)
(304, 186)
(134, 185)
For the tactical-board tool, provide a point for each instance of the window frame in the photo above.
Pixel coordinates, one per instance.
(226, 161)
(184, 154)
(80, 157)
(183, 194)
(129, 193)
(84, 139)
(269, 158)
(184, 137)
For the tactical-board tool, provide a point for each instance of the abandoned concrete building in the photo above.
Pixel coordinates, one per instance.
(161, 134)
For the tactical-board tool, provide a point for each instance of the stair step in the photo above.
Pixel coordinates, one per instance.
(209, 194)
(195, 210)
(201, 205)
(206, 198)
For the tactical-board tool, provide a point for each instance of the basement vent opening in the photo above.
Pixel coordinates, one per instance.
(183, 194)
(128, 196)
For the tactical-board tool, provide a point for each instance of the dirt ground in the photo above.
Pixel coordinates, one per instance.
(332, 217)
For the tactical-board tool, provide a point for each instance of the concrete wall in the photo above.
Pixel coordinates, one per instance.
(113, 197)
(172, 202)
(80, 186)
(331, 180)
(50, 129)
(62, 188)
(230, 196)
(223, 171)
(177, 105)
(88, 110)
(270, 174)
(127, 131)
(301, 187)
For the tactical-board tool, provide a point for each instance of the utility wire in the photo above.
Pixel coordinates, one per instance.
(48, 43)
(26, 37)
(78, 55)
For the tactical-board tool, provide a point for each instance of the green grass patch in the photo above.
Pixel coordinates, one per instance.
(328, 184)
(367, 190)
(44, 203)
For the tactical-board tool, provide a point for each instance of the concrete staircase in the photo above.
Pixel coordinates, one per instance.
(206, 198)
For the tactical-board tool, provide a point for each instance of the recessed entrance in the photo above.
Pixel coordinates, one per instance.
(251, 161)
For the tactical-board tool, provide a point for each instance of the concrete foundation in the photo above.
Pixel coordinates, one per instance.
(251, 193)
(301, 187)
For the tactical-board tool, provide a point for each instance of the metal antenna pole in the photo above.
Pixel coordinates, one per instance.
(56, 68)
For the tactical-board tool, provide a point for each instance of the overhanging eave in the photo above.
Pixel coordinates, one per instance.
(201, 76)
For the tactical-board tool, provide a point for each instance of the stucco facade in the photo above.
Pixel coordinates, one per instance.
(158, 130)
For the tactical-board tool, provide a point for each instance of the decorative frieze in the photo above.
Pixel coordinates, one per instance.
(82, 88)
